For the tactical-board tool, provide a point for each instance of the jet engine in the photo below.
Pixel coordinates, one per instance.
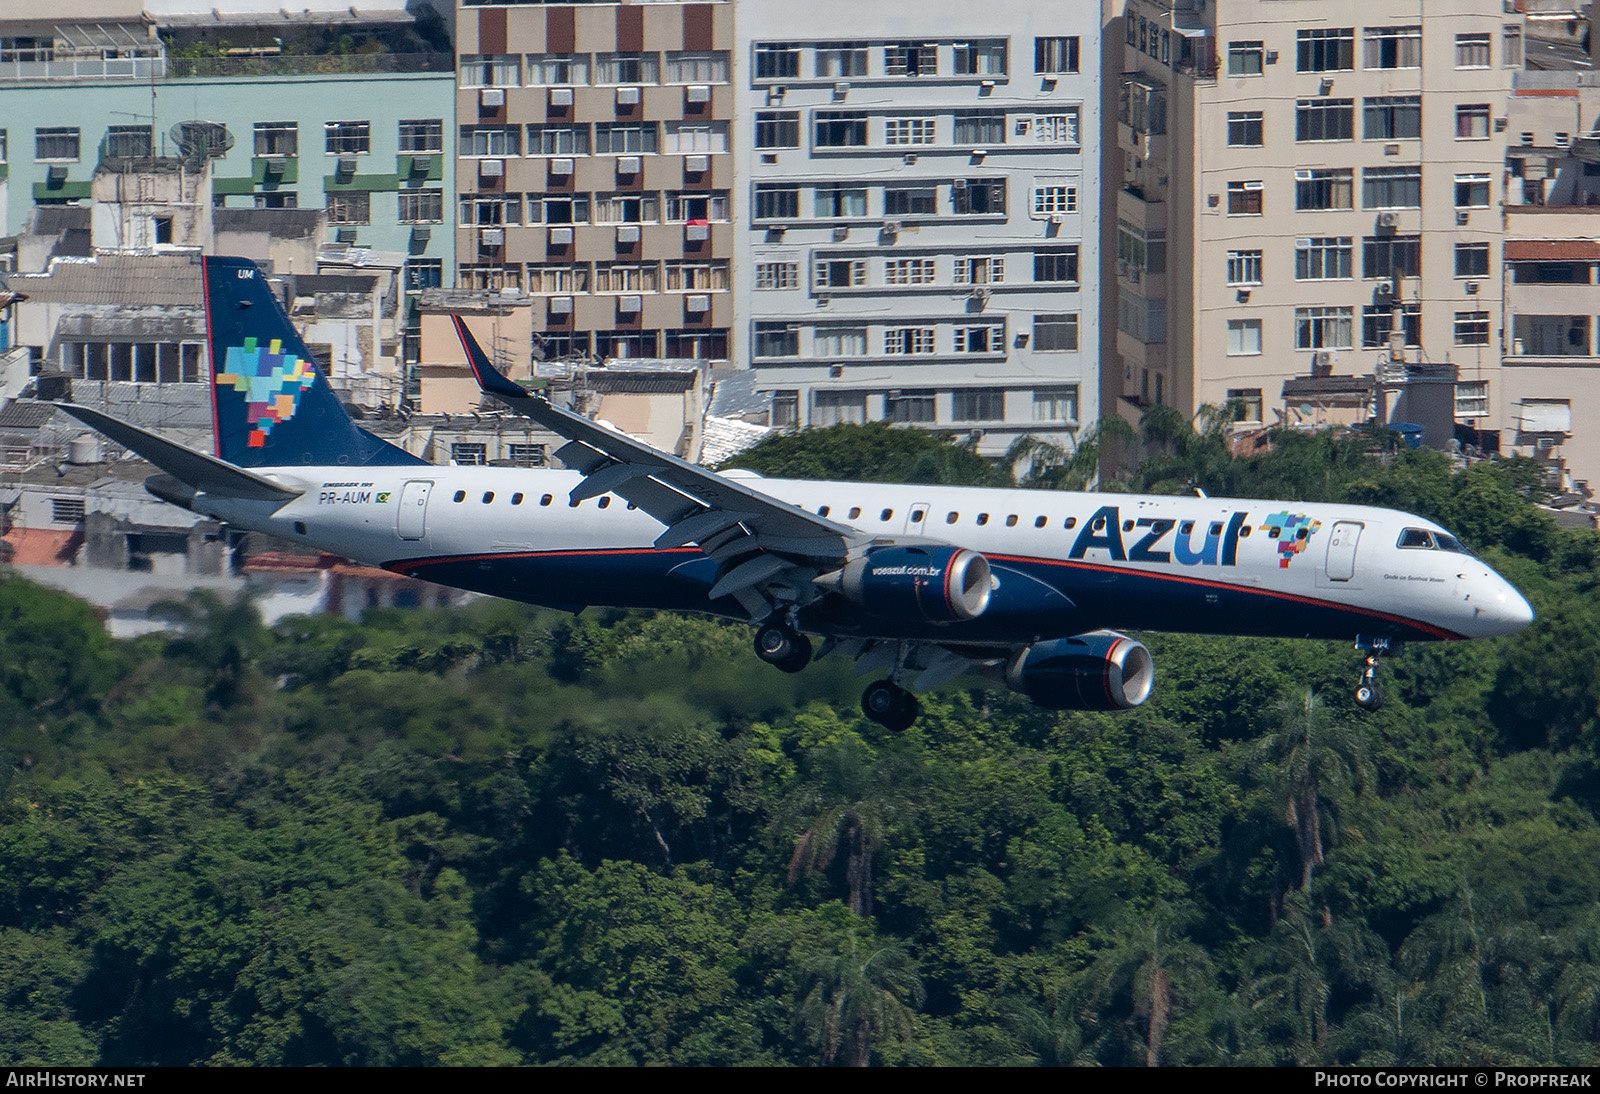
(935, 584)
(1101, 670)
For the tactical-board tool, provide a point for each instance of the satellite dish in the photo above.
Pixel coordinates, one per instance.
(202, 140)
(1306, 410)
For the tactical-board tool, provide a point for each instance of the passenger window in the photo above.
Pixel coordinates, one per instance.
(1416, 538)
(1127, 526)
(822, 512)
(855, 511)
(1274, 533)
(918, 515)
(546, 500)
(1072, 522)
(516, 499)
(1186, 527)
(573, 503)
(1099, 524)
(887, 514)
(1244, 533)
(983, 518)
(951, 517)
(1011, 521)
(1216, 529)
(461, 495)
(605, 502)
(1040, 522)
(488, 496)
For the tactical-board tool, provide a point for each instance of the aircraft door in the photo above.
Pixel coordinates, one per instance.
(917, 518)
(1341, 563)
(412, 516)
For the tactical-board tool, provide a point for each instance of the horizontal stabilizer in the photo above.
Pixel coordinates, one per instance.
(196, 469)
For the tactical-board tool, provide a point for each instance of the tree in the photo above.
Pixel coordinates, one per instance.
(852, 1000)
(875, 452)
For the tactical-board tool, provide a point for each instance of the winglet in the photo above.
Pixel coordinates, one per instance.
(489, 378)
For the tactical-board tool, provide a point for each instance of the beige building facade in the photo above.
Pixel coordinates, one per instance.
(1304, 189)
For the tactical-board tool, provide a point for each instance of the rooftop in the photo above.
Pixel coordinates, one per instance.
(160, 280)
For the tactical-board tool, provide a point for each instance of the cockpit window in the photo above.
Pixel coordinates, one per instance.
(1449, 543)
(1419, 538)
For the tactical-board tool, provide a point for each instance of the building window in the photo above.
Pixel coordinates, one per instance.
(627, 68)
(841, 59)
(1244, 337)
(785, 409)
(697, 68)
(1244, 128)
(489, 210)
(908, 131)
(978, 197)
(980, 269)
(777, 340)
(1324, 189)
(838, 408)
(984, 58)
(777, 275)
(1324, 120)
(1511, 37)
(696, 206)
(1393, 47)
(3, 145)
(488, 140)
(490, 278)
(988, 338)
(835, 342)
(1056, 128)
(349, 207)
(558, 140)
(464, 454)
(685, 138)
(1325, 50)
(1391, 187)
(1472, 191)
(557, 69)
(910, 59)
(910, 406)
(910, 201)
(1391, 117)
(277, 138)
(777, 202)
(626, 208)
(67, 510)
(525, 455)
(980, 129)
(1142, 105)
(1472, 260)
(1055, 333)
(900, 341)
(1472, 51)
(349, 138)
(1056, 265)
(573, 210)
(1472, 122)
(1377, 320)
(840, 129)
(1391, 257)
(1244, 267)
(56, 143)
(1143, 320)
(1323, 258)
(1054, 198)
(138, 362)
(978, 404)
(1055, 55)
(422, 135)
(1244, 199)
(611, 278)
(908, 271)
(1246, 404)
(1322, 328)
(129, 142)
(840, 202)
(1472, 398)
(424, 273)
(490, 70)
(421, 206)
(276, 199)
(620, 140)
(697, 277)
(1139, 250)
(558, 279)
(777, 129)
(1246, 58)
(1472, 328)
(1055, 404)
(775, 61)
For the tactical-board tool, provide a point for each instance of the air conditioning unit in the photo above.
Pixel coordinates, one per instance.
(697, 305)
(421, 165)
(891, 227)
(1472, 288)
(492, 98)
(696, 233)
(275, 165)
(629, 165)
(696, 165)
(1322, 358)
(561, 305)
(345, 235)
(561, 96)
(346, 165)
(58, 172)
(1058, 218)
(627, 96)
(1386, 288)
(1388, 220)
(560, 237)
(420, 234)
(492, 237)
(561, 165)
(491, 169)
(697, 93)
(1462, 216)
(840, 234)
(627, 233)
(841, 89)
(959, 184)
(630, 304)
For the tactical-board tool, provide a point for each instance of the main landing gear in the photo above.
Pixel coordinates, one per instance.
(780, 645)
(1368, 696)
(890, 705)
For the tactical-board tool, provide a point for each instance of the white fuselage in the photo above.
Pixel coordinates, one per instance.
(1125, 561)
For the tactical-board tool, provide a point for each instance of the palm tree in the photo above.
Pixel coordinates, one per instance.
(850, 1001)
(846, 802)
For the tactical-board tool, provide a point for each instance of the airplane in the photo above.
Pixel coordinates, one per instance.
(920, 583)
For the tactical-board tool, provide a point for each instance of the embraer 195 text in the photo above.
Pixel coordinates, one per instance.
(919, 583)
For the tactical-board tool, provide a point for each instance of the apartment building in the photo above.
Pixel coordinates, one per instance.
(1309, 190)
(594, 173)
(919, 214)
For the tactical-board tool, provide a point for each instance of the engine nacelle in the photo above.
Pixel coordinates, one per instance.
(1101, 670)
(935, 584)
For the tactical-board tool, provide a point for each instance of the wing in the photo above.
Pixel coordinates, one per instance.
(767, 551)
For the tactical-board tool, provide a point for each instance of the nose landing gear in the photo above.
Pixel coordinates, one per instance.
(1368, 696)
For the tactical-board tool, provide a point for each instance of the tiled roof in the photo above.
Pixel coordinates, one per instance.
(126, 280)
(1552, 250)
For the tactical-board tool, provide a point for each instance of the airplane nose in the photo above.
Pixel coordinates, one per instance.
(1510, 610)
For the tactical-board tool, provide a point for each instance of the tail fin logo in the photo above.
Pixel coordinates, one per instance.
(271, 382)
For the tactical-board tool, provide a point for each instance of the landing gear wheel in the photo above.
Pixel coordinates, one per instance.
(890, 705)
(1368, 697)
(781, 646)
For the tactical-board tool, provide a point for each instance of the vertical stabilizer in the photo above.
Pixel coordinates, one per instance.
(271, 403)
